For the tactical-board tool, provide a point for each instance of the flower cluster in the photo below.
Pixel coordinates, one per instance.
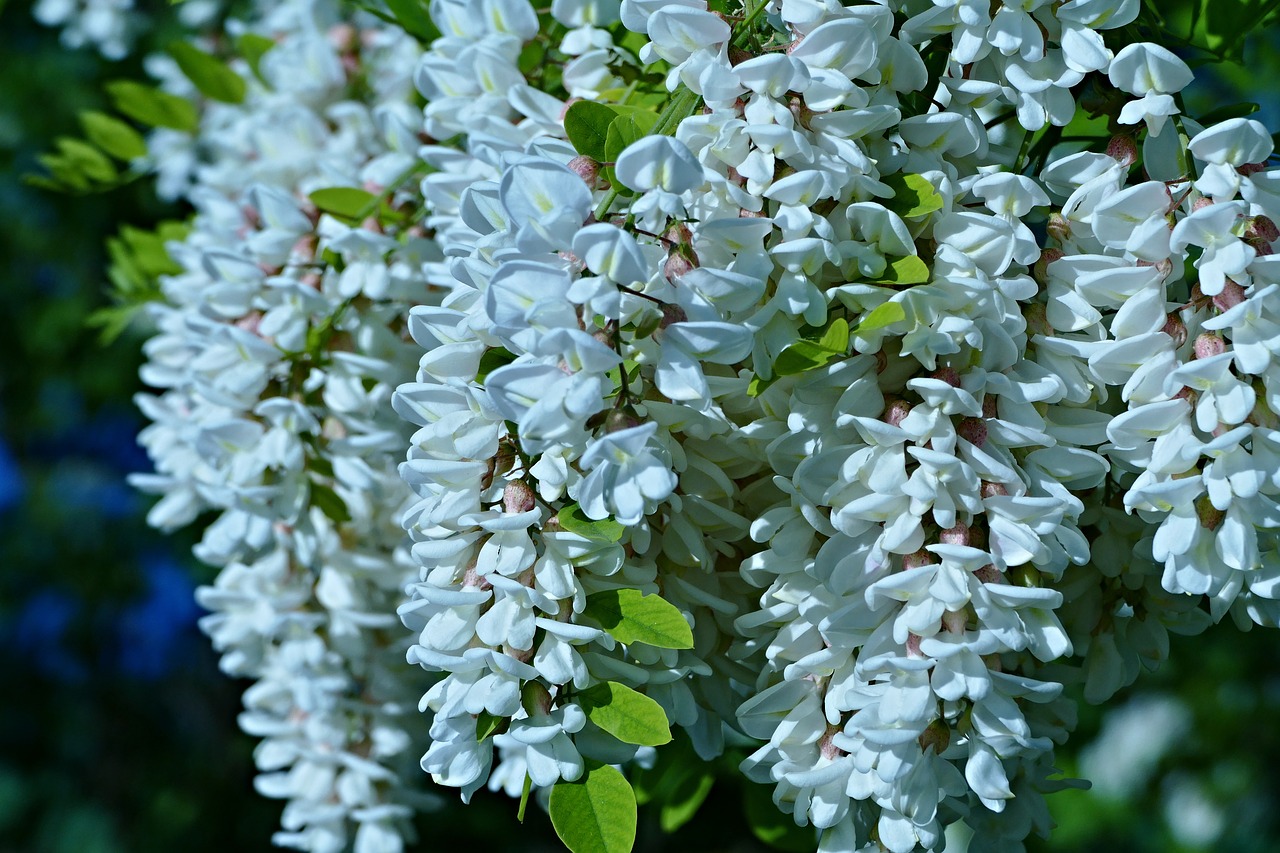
(785, 375)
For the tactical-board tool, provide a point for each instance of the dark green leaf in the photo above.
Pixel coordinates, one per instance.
(685, 800)
(1229, 111)
(412, 15)
(573, 520)
(112, 135)
(771, 826)
(586, 123)
(152, 107)
(488, 725)
(630, 617)
(330, 504)
(596, 814)
(627, 714)
(492, 360)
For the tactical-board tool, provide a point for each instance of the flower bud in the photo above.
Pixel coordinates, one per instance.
(1123, 149)
(587, 169)
(918, 559)
(1208, 345)
(973, 430)
(948, 375)
(958, 535)
(1059, 227)
(936, 736)
(993, 490)
(1175, 328)
(677, 265)
(895, 410)
(535, 699)
(1041, 270)
(518, 497)
(1037, 317)
(1232, 295)
(620, 419)
(1210, 516)
(672, 314)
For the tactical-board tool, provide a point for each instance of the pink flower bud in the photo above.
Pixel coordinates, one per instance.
(1123, 149)
(973, 430)
(586, 168)
(1208, 345)
(918, 559)
(1176, 329)
(895, 410)
(1232, 295)
(518, 497)
(958, 535)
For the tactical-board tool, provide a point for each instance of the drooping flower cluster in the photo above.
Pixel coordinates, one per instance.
(783, 376)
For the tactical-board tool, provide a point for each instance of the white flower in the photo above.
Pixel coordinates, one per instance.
(626, 477)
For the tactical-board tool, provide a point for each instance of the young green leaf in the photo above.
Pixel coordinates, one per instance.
(809, 355)
(209, 74)
(112, 135)
(573, 520)
(82, 158)
(596, 814)
(152, 107)
(880, 317)
(630, 617)
(345, 203)
(902, 271)
(488, 725)
(627, 714)
(913, 196)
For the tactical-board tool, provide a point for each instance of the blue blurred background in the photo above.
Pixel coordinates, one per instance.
(117, 731)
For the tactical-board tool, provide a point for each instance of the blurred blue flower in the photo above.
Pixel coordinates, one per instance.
(38, 633)
(152, 629)
(12, 486)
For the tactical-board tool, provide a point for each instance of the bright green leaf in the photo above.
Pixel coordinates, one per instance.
(153, 107)
(630, 617)
(209, 74)
(902, 271)
(596, 814)
(627, 714)
(573, 520)
(112, 135)
(253, 47)
(86, 160)
(913, 196)
(346, 203)
(880, 317)
(806, 354)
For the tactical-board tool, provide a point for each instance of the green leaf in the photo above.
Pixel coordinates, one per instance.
(492, 360)
(627, 714)
(112, 135)
(913, 196)
(573, 520)
(758, 386)
(901, 271)
(630, 617)
(78, 156)
(209, 74)
(524, 797)
(253, 47)
(684, 802)
(624, 130)
(596, 814)
(346, 203)
(487, 725)
(586, 123)
(880, 317)
(806, 355)
(412, 15)
(330, 504)
(1229, 111)
(152, 107)
(771, 826)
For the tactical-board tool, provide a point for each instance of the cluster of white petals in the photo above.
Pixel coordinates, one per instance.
(801, 326)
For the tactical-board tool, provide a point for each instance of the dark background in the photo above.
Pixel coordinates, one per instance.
(117, 731)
